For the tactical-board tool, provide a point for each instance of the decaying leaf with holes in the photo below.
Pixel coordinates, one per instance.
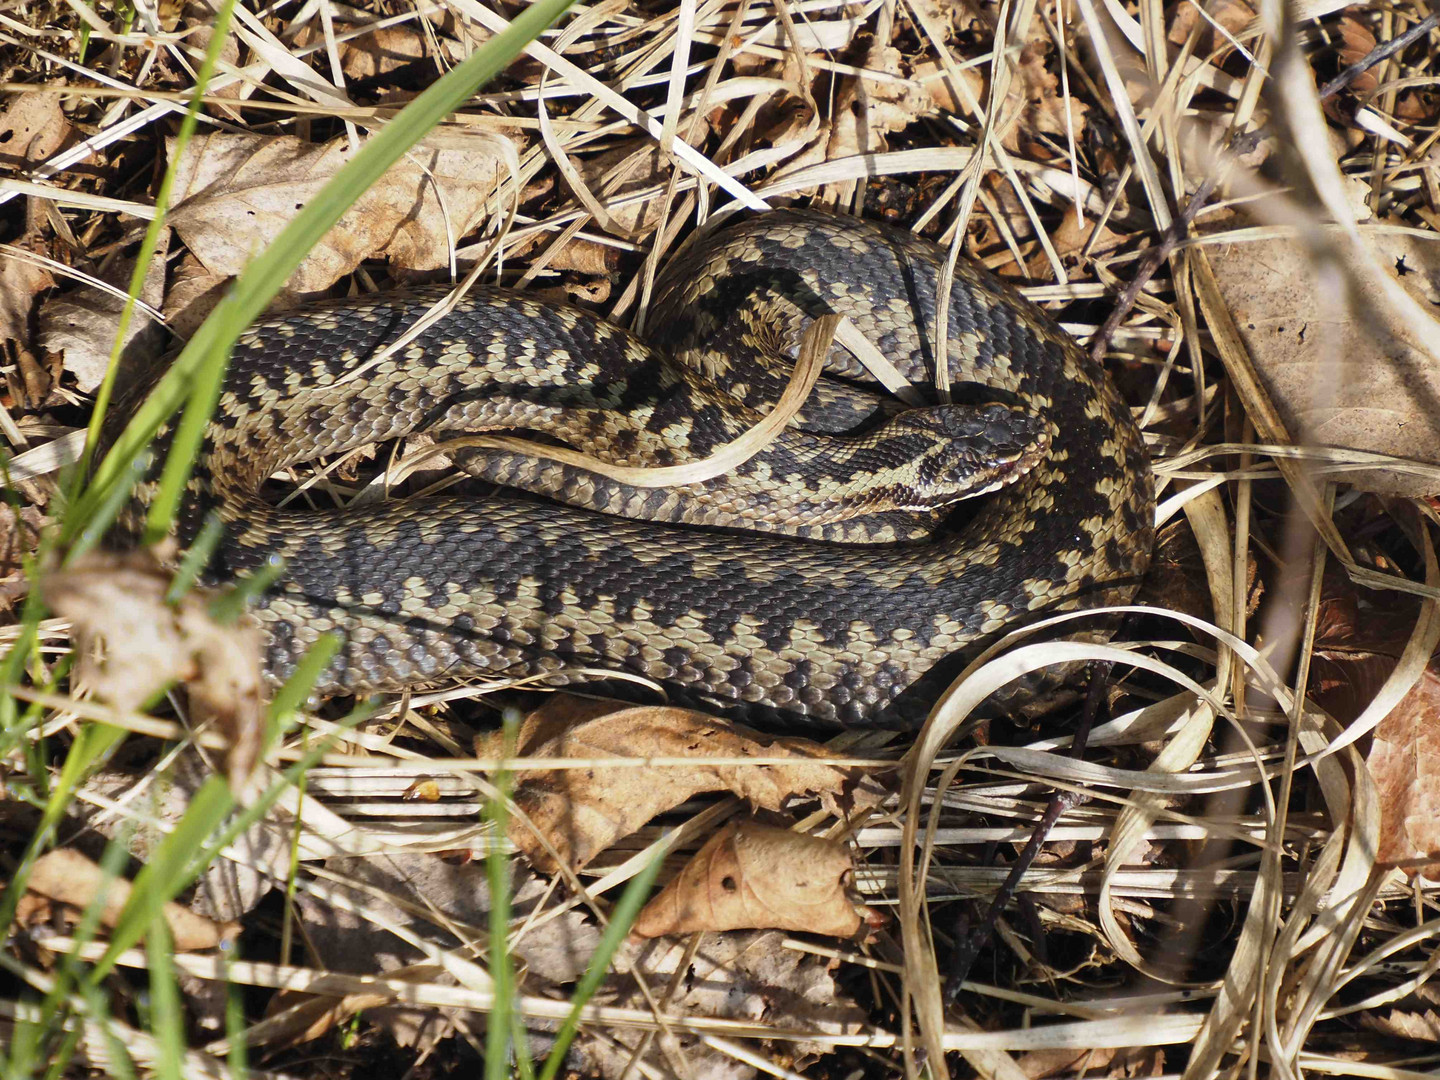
(580, 812)
(132, 644)
(753, 876)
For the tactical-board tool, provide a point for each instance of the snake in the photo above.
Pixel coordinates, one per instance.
(832, 579)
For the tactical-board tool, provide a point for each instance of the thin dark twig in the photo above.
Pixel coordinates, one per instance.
(969, 943)
(1242, 144)
(1380, 52)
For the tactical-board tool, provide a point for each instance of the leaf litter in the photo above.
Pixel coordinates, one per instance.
(873, 109)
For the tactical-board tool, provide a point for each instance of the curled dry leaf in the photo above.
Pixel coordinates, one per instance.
(132, 644)
(581, 812)
(69, 878)
(1357, 374)
(235, 193)
(80, 326)
(19, 538)
(751, 876)
(1357, 41)
(1043, 112)
(1069, 237)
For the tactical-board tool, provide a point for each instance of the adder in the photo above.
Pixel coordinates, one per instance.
(856, 584)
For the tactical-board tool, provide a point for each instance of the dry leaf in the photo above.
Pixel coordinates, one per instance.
(32, 127)
(1069, 237)
(240, 191)
(1356, 377)
(194, 291)
(132, 644)
(19, 537)
(936, 79)
(1034, 104)
(69, 878)
(1232, 15)
(581, 812)
(752, 876)
(1044, 107)
(388, 48)
(80, 326)
(1357, 645)
(888, 106)
(20, 282)
(1357, 41)
(1400, 1024)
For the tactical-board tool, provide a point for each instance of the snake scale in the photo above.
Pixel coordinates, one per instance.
(840, 611)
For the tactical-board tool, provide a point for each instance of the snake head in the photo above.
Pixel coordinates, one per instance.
(969, 450)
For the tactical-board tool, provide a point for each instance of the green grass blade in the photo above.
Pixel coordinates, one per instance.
(621, 918)
(151, 240)
(497, 869)
(167, 1021)
(120, 1066)
(195, 376)
(197, 557)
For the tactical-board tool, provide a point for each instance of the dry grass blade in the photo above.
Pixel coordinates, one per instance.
(808, 365)
(1162, 165)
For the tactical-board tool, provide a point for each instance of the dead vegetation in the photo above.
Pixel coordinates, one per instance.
(1238, 205)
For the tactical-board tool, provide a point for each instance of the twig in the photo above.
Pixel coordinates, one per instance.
(970, 942)
(1169, 240)
(1377, 54)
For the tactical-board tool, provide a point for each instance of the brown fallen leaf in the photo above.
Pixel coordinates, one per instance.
(752, 876)
(1357, 41)
(1358, 644)
(1358, 375)
(581, 812)
(131, 644)
(867, 110)
(20, 283)
(67, 877)
(1398, 1024)
(194, 291)
(1233, 16)
(294, 1017)
(19, 537)
(384, 49)
(32, 127)
(235, 193)
(80, 326)
(1034, 104)
(1069, 237)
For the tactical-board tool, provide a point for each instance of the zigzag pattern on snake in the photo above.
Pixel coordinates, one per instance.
(860, 583)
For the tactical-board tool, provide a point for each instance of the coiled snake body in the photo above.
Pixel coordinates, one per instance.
(827, 625)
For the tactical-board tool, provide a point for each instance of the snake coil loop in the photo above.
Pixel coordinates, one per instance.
(842, 629)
